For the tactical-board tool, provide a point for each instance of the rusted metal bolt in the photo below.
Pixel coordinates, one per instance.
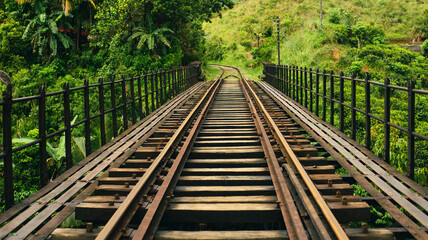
(89, 227)
(330, 182)
(148, 159)
(315, 166)
(134, 176)
(338, 194)
(127, 185)
(364, 228)
(344, 201)
(111, 203)
(116, 196)
(308, 155)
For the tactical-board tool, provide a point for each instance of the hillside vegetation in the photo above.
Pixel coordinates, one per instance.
(345, 42)
(360, 36)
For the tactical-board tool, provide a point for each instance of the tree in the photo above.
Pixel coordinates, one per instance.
(424, 47)
(67, 5)
(44, 32)
(151, 35)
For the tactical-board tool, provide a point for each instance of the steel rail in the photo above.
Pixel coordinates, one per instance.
(292, 220)
(111, 227)
(331, 219)
(151, 219)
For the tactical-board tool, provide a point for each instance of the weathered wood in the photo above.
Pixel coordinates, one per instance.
(223, 190)
(223, 212)
(74, 234)
(221, 235)
(226, 199)
(224, 180)
(372, 234)
(351, 212)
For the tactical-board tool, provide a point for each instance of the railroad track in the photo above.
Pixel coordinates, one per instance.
(224, 161)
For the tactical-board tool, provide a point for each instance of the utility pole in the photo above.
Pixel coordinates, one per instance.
(277, 29)
(321, 13)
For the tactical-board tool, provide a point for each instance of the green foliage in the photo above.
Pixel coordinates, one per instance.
(424, 47)
(43, 29)
(152, 36)
(359, 35)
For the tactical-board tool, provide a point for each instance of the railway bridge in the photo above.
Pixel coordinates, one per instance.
(229, 158)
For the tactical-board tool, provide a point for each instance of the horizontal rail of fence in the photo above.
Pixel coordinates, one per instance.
(308, 87)
(133, 97)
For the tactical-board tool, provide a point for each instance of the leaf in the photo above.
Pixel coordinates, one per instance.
(65, 40)
(53, 26)
(151, 42)
(164, 40)
(23, 140)
(53, 44)
(80, 144)
(143, 39)
(61, 148)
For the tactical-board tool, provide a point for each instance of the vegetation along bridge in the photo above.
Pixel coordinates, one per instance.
(229, 158)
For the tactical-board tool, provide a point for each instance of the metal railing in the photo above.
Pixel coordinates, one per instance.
(308, 87)
(139, 95)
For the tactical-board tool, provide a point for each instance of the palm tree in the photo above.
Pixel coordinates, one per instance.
(67, 5)
(150, 35)
(44, 31)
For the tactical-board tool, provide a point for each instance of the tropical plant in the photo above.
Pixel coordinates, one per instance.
(57, 154)
(44, 33)
(151, 35)
(67, 5)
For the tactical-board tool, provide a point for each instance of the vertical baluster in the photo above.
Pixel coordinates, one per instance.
(113, 105)
(306, 87)
(7, 145)
(387, 119)
(140, 95)
(324, 95)
(86, 104)
(124, 104)
(67, 124)
(152, 87)
(133, 113)
(331, 98)
(353, 105)
(310, 90)
(410, 130)
(342, 100)
(44, 176)
(102, 111)
(317, 90)
(367, 102)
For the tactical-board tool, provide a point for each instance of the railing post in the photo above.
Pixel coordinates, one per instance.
(353, 105)
(113, 105)
(306, 87)
(132, 89)
(67, 124)
(152, 88)
(342, 100)
(124, 109)
(146, 94)
(301, 86)
(140, 96)
(44, 177)
(294, 83)
(310, 90)
(331, 98)
(387, 119)
(410, 130)
(169, 84)
(324, 95)
(87, 118)
(286, 81)
(7, 142)
(317, 90)
(368, 119)
(161, 87)
(102, 111)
